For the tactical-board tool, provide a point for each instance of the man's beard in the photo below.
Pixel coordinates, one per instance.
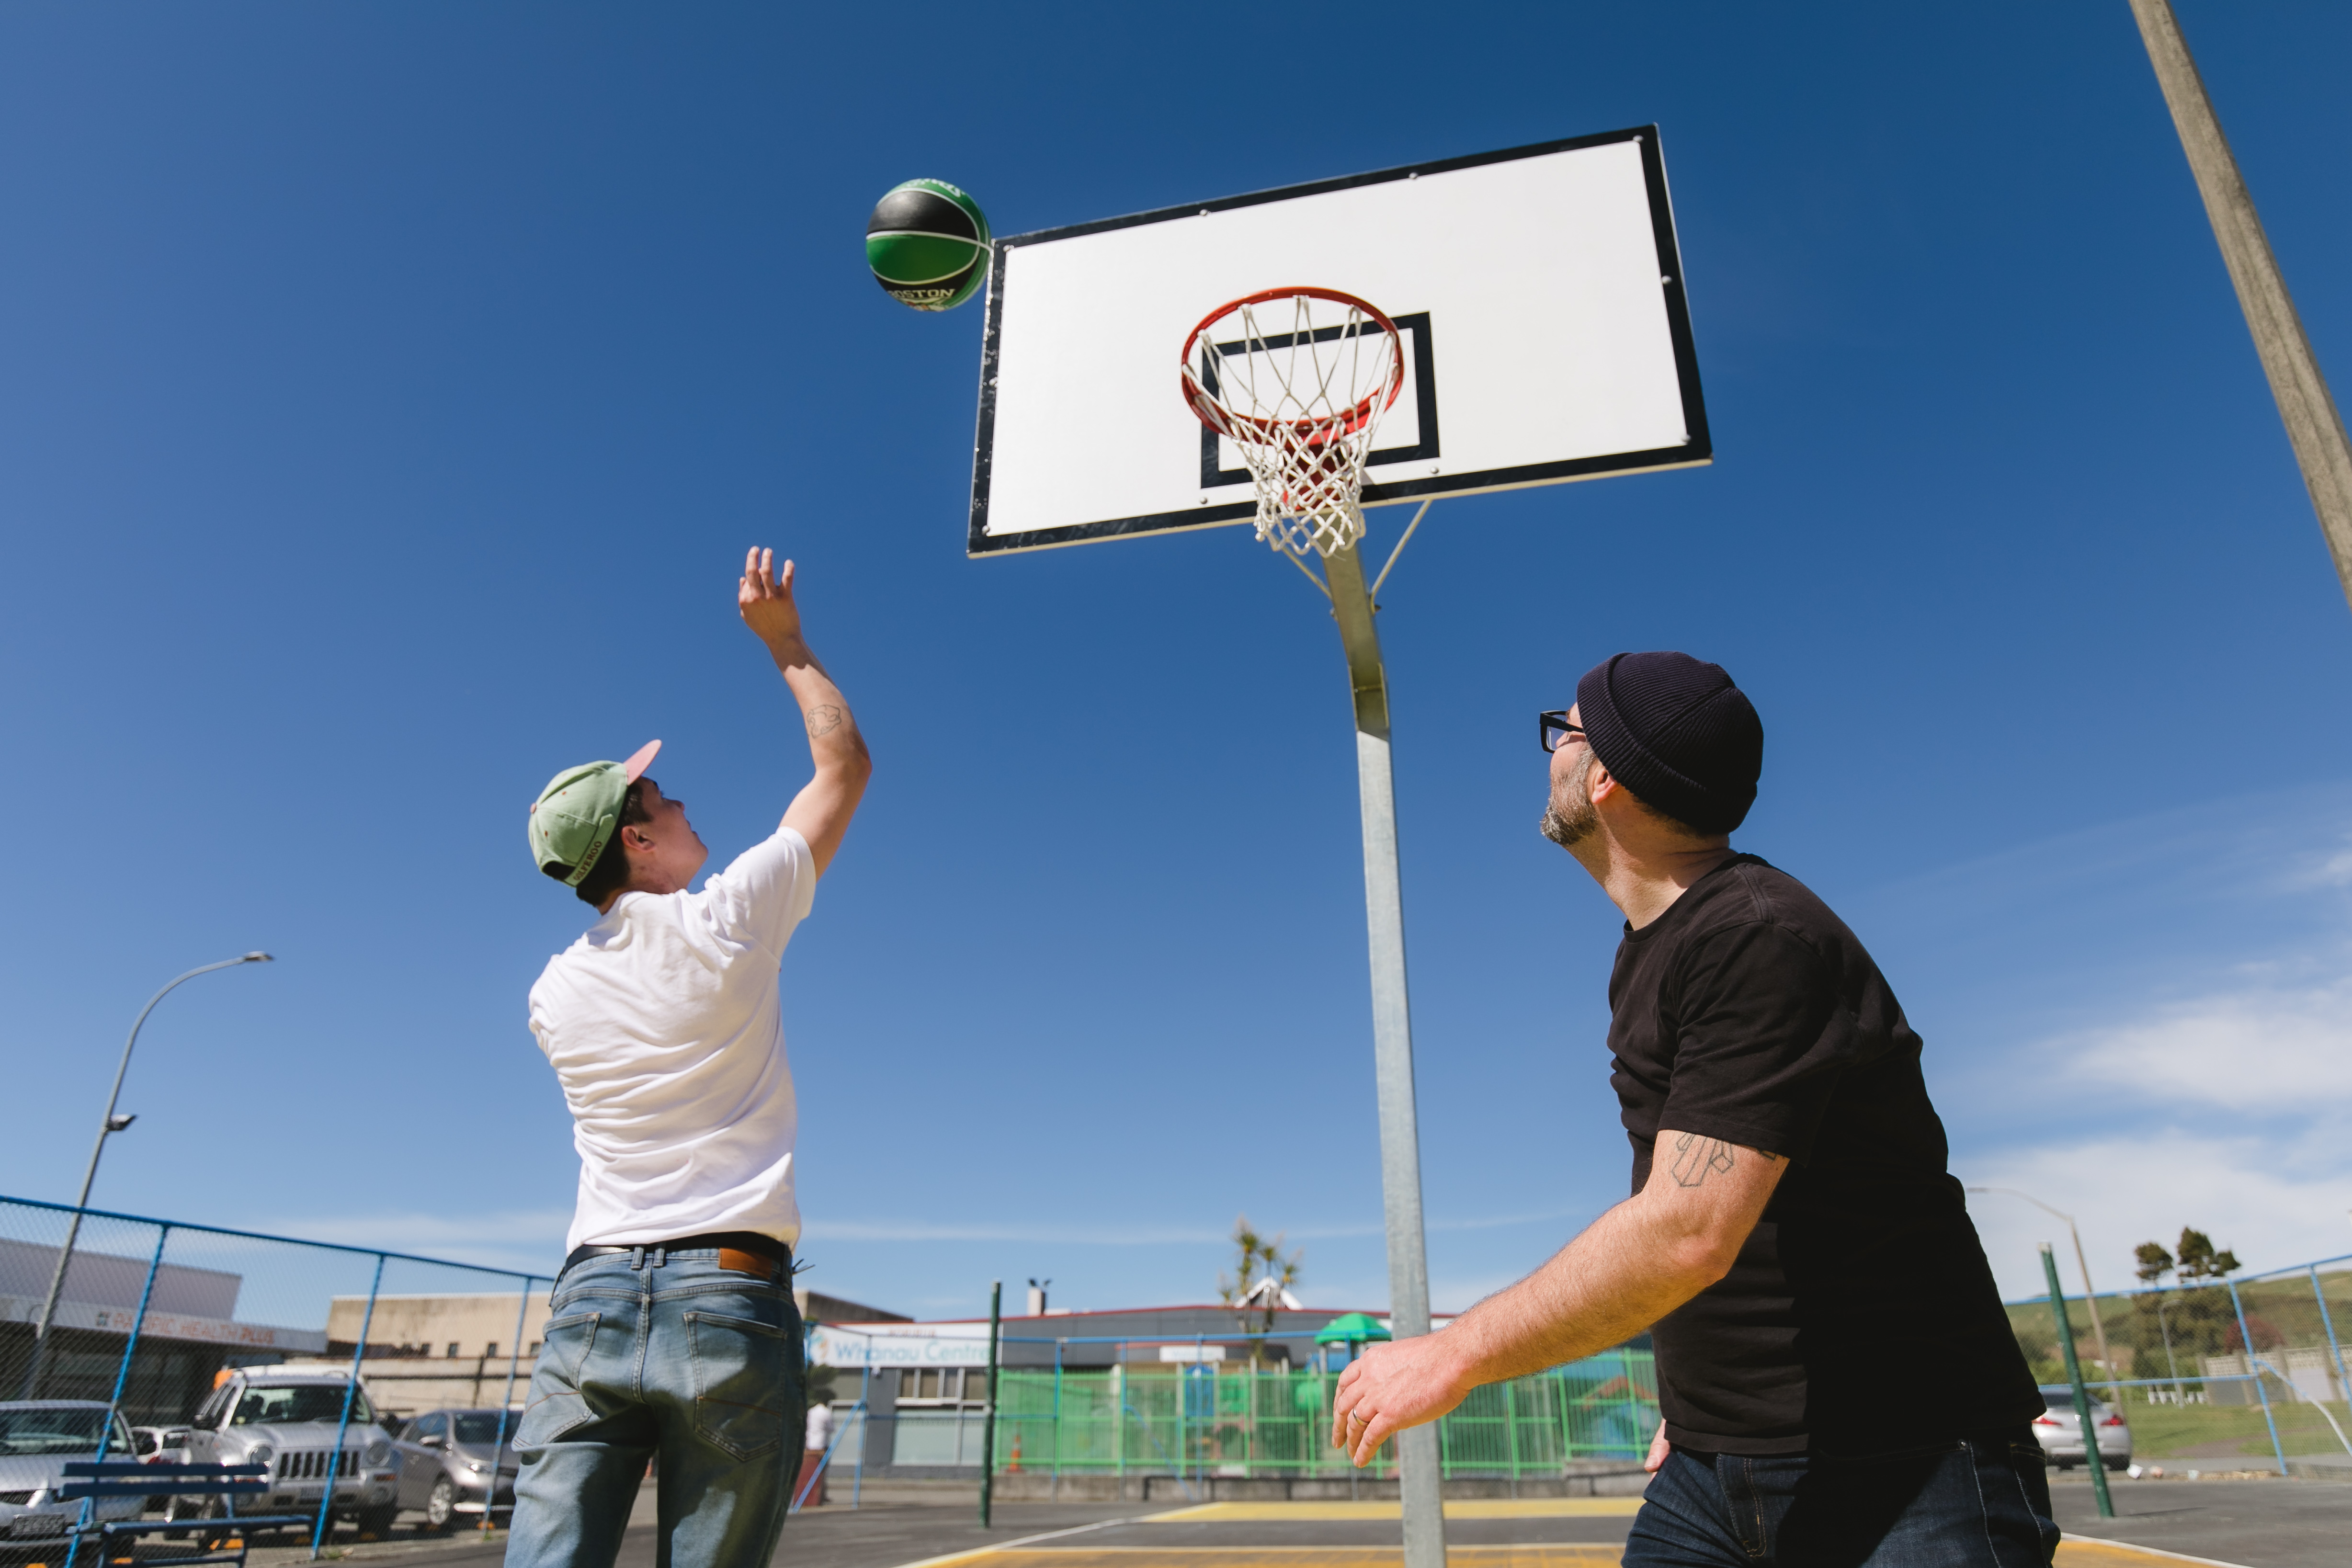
(1570, 827)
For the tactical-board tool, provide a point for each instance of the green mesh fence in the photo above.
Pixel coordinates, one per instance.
(1224, 1421)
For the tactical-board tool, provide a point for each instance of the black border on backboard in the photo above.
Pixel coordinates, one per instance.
(1698, 450)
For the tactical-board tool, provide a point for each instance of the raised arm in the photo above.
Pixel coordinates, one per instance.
(820, 812)
(1630, 1268)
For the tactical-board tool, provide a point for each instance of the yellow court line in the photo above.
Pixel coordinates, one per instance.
(1460, 1508)
(1524, 1554)
(2088, 1552)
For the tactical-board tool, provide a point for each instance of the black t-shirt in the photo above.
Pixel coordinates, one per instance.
(1861, 1309)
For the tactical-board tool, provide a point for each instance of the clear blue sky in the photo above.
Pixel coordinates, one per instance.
(387, 394)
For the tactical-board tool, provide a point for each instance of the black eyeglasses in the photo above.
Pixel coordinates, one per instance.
(1552, 728)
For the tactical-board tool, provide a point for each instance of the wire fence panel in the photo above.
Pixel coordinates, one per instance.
(2215, 1374)
(219, 1346)
(1207, 1420)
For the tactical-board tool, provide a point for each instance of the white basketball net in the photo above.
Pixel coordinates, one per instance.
(1298, 380)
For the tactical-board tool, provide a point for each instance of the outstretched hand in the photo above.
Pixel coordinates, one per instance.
(765, 598)
(1390, 1388)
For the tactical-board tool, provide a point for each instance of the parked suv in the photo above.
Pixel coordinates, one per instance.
(286, 1419)
(2059, 1430)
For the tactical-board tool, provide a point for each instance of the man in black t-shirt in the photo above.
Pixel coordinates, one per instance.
(1839, 1383)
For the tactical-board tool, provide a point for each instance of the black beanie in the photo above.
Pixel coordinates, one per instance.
(1678, 733)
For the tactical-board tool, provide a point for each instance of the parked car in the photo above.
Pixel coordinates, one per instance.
(446, 1460)
(160, 1445)
(286, 1419)
(2059, 1430)
(37, 1437)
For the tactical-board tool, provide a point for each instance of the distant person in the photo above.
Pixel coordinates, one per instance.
(1839, 1382)
(672, 1335)
(820, 1434)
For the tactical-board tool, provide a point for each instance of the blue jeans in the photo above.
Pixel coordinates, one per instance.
(664, 1357)
(1974, 1503)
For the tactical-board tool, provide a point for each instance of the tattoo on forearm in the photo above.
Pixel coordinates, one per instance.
(1697, 1157)
(823, 719)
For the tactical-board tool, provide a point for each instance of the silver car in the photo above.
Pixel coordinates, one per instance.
(286, 1419)
(38, 1436)
(446, 1460)
(2059, 1430)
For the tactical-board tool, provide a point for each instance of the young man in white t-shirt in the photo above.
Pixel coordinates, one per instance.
(671, 1335)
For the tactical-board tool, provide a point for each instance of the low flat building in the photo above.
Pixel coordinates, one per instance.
(425, 1352)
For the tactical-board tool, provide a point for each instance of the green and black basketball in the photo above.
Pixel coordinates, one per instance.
(927, 245)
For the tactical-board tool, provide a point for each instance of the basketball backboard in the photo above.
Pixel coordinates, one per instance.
(1538, 291)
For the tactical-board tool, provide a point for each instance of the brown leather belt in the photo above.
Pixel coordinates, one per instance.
(740, 1251)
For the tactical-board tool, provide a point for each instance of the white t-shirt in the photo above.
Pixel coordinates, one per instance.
(820, 1426)
(664, 1025)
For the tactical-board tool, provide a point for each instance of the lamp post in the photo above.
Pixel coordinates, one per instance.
(107, 1124)
(2090, 1298)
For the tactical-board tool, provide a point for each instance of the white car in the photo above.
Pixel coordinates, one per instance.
(2059, 1430)
(286, 1419)
(38, 1436)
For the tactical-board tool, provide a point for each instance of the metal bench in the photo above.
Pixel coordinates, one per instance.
(219, 1539)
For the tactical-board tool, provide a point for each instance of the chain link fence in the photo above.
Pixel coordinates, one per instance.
(147, 1321)
(1206, 1421)
(2217, 1374)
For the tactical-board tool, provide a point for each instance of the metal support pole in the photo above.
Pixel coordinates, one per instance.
(514, 1365)
(2313, 427)
(988, 1425)
(344, 1425)
(1419, 1482)
(106, 1125)
(2074, 1377)
(2246, 1341)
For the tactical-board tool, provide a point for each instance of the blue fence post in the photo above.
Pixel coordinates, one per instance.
(350, 1393)
(1058, 1345)
(2327, 1327)
(122, 1372)
(514, 1365)
(2246, 1339)
(865, 1427)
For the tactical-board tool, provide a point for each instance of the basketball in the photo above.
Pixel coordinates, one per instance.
(927, 245)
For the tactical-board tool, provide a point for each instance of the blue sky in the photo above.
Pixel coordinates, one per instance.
(389, 393)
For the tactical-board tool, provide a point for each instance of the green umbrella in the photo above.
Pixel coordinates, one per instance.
(1351, 1329)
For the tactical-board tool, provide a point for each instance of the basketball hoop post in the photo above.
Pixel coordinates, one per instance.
(1418, 1460)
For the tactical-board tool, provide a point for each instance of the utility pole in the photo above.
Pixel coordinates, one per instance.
(2090, 1292)
(2313, 427)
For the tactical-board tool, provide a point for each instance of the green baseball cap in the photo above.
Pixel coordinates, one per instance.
(579, 811)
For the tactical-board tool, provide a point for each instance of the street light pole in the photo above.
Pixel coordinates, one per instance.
(107, 1123)
(2090, 1296)
(2313, 428)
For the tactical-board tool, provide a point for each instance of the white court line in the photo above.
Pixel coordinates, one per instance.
(1050, 1535)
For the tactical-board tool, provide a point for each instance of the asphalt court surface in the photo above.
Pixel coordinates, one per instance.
(2255, 1524)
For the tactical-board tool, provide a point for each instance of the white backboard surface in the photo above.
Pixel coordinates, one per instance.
(1538, 289)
